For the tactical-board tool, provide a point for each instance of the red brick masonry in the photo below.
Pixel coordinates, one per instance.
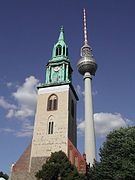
(76, 158)
(23, 163)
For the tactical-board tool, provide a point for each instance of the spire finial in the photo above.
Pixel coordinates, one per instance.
(85, 28)
(61, 36)
(62, 28)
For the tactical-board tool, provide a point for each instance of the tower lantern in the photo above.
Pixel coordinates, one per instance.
(87, 67)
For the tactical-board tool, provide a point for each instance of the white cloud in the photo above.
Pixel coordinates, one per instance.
(7, 130)
(4, 104)
(25, 97)
(24, 104)
(26, 94)
(79, 90)
(26, 130)
(106, 122)
(94, 93)
(10, 113)
(80, 127)
(9, 84)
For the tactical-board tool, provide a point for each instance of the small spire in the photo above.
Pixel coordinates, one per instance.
(61, 36)
(85, 28)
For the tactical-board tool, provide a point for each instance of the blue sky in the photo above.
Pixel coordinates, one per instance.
(28, 31)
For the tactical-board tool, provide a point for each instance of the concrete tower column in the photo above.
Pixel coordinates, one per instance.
(89, 120)
(87, 67)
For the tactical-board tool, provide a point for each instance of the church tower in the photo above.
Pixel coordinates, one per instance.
(55, 119)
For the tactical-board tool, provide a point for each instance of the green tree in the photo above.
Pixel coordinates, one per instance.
(117, 157)
(58, 167)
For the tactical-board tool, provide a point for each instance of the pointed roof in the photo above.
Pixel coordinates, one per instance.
(61, 39)
(23, 163)
(61, 36)
(60, 49)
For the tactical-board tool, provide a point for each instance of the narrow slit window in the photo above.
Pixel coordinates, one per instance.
(57, 51)
(52, 128)
(49, 104)
(49, 128)
(64, 50)
(55, 104)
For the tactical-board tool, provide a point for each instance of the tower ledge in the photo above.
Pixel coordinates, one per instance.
(59, 84)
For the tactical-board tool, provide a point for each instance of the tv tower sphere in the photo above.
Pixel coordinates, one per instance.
(87, 67)
(87, 63)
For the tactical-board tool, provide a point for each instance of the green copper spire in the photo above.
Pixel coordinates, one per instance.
(60, 49)
(58, 69)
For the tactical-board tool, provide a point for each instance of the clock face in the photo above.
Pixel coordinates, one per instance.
(56, 68)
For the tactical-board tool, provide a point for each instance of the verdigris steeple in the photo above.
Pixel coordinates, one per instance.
(60, 50)
(58, 68)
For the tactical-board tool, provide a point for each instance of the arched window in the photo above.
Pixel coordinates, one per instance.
(58, 50)
(50, 125)
(52, 103)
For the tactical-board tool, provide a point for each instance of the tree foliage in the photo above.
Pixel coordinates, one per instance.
(117, 156)
(58, 167)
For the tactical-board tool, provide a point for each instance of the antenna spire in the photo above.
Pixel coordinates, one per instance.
(85, 28)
